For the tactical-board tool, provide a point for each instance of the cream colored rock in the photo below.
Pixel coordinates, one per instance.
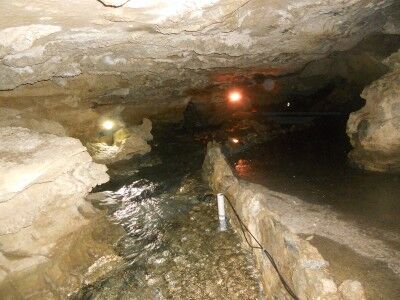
(125, 143)
(101, 267)
(374, 130)
(352, 290)
(43, 181)
(16, 118)
(77, 260)
(16, 39)
(158, 48)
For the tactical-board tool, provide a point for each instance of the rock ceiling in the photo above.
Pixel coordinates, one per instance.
(156, 48)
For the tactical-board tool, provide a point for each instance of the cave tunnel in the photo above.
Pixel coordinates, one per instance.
(207, 149)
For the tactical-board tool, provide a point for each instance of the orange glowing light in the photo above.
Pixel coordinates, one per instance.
(243, 167)
(235, 140)
(235, 96)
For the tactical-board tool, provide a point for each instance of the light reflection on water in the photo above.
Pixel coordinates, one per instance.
(243, 167)
(312, 165)
(172, 248)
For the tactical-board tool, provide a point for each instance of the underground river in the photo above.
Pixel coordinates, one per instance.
(351, 216)
(172, 248)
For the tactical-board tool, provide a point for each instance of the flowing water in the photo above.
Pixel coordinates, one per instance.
(172, 248)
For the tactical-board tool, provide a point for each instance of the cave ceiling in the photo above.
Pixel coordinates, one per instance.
(156, 49)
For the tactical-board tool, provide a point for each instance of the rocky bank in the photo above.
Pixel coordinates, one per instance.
(302, 266)
(43, 184)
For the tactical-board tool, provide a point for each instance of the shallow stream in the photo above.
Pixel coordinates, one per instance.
(172, 248)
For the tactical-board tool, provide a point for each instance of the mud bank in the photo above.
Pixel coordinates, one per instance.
(300, 263)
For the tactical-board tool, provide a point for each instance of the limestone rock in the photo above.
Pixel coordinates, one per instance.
(374, 130)
(158, 48)
(101, 267)
(43, 181)
(351, 290)
(21, 38)
(16, 118)
(125, 143)
(72, 264)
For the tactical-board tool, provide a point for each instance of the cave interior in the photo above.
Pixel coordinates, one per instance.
(107, 105)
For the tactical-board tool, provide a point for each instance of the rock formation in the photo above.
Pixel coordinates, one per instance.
(374, 130)
(17, 118)
(66, 54)
(67, 65)
(126, 142)
(44, 179)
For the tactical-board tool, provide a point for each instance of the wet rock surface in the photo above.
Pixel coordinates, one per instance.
(65, 65)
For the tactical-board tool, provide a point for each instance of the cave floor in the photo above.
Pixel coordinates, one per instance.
(172, 247)
(351, 216)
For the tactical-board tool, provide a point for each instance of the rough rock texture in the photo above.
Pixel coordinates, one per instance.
(351, 290)
(146, 54)
(300, 263)
(374, 130)
(16, 118)
(83, 257)
(126, 142)
(43, 181)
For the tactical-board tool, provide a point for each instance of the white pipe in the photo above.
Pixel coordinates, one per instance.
(221, 212)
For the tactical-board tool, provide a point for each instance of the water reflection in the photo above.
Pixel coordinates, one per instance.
(243, 167)
(172, 248)
(312, 165)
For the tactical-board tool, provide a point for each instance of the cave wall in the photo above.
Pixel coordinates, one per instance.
(72, 61)
(44, 179)
(65, 65)
(374, 130)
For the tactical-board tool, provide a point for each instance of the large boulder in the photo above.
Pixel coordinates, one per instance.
(374, 130)
(44, 179)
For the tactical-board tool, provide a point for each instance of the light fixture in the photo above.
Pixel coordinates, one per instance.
(108, 125)
(235, 96)
(235, 140)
